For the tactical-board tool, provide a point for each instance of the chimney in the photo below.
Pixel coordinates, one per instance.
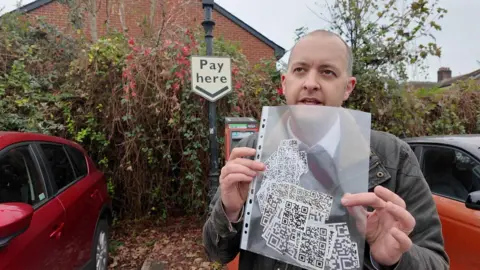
(444, 73)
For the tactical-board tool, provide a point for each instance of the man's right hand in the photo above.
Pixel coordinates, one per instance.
(235, 179)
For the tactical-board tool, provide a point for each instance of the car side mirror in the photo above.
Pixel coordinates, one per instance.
(15, 218)
(473, 200)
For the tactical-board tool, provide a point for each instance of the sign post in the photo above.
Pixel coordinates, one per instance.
(211, 79)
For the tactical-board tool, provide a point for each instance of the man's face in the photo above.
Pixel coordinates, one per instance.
(317, 73)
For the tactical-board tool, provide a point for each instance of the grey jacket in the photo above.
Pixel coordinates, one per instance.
(392, 165)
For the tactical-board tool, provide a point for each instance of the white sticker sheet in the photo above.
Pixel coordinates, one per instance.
(289, 222)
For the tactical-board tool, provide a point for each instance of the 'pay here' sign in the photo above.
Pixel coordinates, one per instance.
(211, 76)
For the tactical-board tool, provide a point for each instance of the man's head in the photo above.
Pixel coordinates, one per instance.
(319, 71)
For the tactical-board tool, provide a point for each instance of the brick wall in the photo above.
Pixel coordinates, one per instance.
(178, 12)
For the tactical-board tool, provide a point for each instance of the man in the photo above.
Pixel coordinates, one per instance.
(403, 229)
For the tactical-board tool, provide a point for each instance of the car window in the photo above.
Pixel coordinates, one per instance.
(412, 147)
(20, 180)
(450, 172)
(59, 164)
(78, 160)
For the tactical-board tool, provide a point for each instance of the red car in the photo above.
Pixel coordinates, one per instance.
(55, 211)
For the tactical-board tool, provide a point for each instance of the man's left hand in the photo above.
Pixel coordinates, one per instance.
(387, 227)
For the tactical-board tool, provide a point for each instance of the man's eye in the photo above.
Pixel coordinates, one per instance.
(329, 73)
(298, 69)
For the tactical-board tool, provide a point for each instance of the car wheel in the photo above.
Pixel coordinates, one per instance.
(100, 249)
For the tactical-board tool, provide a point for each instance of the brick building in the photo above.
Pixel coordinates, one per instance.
(186, 13)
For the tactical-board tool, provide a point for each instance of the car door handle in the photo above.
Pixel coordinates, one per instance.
(58, 231)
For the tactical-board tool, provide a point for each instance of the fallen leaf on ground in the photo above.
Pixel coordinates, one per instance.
(177, 245)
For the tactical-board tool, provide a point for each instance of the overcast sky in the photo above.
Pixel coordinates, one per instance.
(277, 20)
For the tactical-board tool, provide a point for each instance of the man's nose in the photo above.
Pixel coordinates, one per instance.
(311, 82)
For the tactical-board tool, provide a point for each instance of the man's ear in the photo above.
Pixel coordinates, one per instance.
(283, 77)
(352, 81)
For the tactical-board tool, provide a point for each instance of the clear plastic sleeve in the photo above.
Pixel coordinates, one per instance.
(313, 156)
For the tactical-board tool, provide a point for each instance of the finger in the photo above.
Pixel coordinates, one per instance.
(389, 196)
(358, 212)
(403, 240)
(234, 178)
(363, 199)
(240, 152)
(237, 168)
(251, 164)
(407, 221)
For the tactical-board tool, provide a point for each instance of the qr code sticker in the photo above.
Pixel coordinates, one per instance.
(271, 206)
(286, 169)
(281, 238)
(344, 253)
(281, 190)
(273, 221)
(320, 202)
(312, 250)
(295, 215)
(302, 164)
(276, 237)
(261, 197)
(271, 168)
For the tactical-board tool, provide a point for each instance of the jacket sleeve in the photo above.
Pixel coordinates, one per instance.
(427, 251)
(221, 238)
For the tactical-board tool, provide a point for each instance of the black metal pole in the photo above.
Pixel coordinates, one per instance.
(213, 174)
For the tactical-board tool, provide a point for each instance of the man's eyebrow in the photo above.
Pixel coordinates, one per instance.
(299, 62)
(328, 65)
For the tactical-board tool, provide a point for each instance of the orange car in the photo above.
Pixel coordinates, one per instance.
(451, 166)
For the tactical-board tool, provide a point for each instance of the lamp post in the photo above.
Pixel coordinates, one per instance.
(208, 24)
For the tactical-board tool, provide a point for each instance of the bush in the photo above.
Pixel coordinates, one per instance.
(129, 103)
(424, 112)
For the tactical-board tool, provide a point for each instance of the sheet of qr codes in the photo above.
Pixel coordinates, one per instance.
(313, 155)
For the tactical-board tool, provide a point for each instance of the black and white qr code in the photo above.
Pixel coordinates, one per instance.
(312, 251)
(295, 215)
(344, 252)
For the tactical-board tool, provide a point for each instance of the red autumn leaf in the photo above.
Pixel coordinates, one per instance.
(179, 75)
(132, 85)
(235, 70)
(280, 91)
(185, 50)
(147, 51)
(125, 73)
(238, 85)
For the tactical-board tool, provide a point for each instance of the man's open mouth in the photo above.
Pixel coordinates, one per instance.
(310, 101)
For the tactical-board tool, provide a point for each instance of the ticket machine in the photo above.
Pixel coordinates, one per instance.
(237, 128)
